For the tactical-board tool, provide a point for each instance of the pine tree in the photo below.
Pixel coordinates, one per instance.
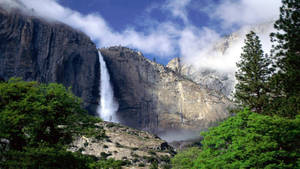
(286, 52)
(252, 75)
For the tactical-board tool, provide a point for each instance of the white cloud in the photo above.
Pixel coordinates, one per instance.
(178, 9)
(212, 52)
(249, 15)
(169, 38)
(245, 12)
(9, 4)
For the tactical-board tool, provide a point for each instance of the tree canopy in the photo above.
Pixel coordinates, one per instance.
(32, 113)
(251, 140)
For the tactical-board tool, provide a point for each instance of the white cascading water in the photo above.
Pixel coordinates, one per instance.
(107, 107)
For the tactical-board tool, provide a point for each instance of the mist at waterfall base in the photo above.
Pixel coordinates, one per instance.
(107, 107)
(179, 135)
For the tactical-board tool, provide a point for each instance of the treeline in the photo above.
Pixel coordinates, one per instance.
(264, 131)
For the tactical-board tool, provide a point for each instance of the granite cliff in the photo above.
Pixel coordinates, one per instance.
(155, 98)
(222, 82)
(35, 49)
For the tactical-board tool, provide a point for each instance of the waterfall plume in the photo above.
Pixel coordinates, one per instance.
(107, 107)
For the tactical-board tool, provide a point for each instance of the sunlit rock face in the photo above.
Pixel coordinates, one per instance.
(155, 98)
(219, 81)
(35, 49)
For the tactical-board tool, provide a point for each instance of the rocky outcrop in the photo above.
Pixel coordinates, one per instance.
(140, 148)
(222, 82)
(35, 49)
(155, 98)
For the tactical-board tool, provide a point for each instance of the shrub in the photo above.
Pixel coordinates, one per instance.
(186, 158)
(251, 140)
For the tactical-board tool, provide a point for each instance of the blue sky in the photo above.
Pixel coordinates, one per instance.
(163, 29)
(119, 13)
(123, 13)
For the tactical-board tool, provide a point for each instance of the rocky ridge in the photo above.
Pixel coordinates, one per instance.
(139, 148)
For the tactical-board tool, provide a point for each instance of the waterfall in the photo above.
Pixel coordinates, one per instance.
(107, 105)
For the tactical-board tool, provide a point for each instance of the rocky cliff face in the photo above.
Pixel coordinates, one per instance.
(222, 82)
(35, 49)
(155, 98)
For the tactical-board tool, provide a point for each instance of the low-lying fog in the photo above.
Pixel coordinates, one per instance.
(179, 135)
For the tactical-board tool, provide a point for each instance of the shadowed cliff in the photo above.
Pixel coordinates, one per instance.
(35, 49)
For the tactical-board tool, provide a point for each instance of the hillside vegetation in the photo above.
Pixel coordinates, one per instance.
(39, 121)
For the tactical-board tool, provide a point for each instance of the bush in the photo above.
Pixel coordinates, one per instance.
(31, 113)
(154, 165)
(44, 157)
(186, 158)
(251, 140)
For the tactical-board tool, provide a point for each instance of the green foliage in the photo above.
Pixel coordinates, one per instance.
(152, 152)
(44, 157)
(165, 158)
(253, 72)
(150, 159)
(154, 165)
(107, 164)
(251, 140)
(105, 155)
(141, 165)
(38, 121)
(186, 158)
(286, 52)
(87, 125)
(31, 113)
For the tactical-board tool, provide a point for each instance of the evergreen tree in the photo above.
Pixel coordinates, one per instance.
(253, 72)
(286, 51)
